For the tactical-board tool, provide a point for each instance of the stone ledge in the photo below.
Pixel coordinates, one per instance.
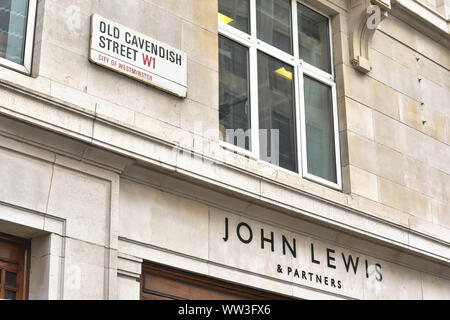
(32, 219)
(423, 19)
(129, 266)
(431, 17)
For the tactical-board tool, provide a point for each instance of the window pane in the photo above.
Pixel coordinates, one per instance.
(235, 13)
(10, 295)
(314, 38)
(11, 279)
(13, 24)
(274, 23)
(276, 111)
(234, 104)
(320, 141)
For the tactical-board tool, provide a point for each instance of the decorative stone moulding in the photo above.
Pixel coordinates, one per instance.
(365, 16)
(383, 4)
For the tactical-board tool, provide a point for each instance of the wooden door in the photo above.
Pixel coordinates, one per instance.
(164, 283)
(14, 267)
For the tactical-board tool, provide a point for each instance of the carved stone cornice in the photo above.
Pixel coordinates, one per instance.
(365, 17)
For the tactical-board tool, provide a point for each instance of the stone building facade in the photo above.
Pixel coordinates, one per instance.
(103, 178)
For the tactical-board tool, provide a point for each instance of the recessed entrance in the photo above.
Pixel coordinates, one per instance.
(160, 282)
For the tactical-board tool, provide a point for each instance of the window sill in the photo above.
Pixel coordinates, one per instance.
(232, 148)
(290, 175)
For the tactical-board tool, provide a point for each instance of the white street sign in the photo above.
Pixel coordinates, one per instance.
(135, 55)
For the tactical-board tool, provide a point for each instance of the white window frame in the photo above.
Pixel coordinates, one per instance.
(301, 68)
(29, 40)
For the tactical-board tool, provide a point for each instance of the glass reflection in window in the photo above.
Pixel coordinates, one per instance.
(13, 25)
(320, 143)
(234, 111)
(235, 13)
(314, 38)
(274, 23)
(276, 112)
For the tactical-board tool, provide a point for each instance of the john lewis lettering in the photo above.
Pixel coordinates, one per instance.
(130, 53)
(331, 260)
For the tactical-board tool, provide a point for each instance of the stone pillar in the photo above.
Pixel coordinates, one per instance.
(46, 267)
(128, 277)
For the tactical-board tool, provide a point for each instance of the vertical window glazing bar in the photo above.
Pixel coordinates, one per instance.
(253, 19)
(295, 28)
(299, 84)
(331, 52)
(254, 100)
(29, 44)
(302, 132)
(336, 134)
(299, 117)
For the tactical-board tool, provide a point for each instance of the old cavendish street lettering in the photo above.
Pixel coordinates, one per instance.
(110, 40)
(128, 52)
(153, 48)
(330, 258)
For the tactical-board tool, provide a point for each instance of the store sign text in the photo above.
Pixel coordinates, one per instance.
(329, 257)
